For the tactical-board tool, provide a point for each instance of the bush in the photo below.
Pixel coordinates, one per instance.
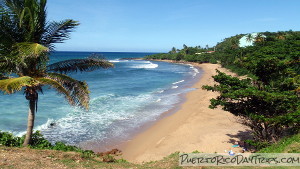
(8, 139)
(39, 142)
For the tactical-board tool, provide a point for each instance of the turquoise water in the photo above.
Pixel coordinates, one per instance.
(123, 99)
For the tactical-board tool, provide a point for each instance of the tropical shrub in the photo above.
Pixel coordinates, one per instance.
(39, 142)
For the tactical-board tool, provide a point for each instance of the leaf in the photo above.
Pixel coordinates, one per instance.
(9, 86)
(78, 90)
(28, 49)
(57, 32)
(59, 87)
(82, 65)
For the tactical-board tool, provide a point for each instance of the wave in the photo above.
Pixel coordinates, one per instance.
(174, 87)
(49, 124)
(178, 82)
(114, 61)
(142, 61)
(106, 113)
(145, 65)
(195, 70)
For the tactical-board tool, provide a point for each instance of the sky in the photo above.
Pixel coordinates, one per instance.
(159, 25)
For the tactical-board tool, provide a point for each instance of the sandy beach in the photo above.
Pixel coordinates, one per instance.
(193, 127)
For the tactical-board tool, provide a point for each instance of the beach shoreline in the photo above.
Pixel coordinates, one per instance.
(192, 127)
(114, 143)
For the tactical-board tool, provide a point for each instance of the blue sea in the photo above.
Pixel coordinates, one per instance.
(123, 100)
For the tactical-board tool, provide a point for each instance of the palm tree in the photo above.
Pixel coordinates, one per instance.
(184, 50)
(249, 37)
(26, 39)
(173, 50)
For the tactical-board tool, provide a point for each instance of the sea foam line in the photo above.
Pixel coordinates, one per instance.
(174, 87)
(114, 61)
(178, 82)
(145, 65)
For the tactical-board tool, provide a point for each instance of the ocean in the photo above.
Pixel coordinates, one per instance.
(123, 100)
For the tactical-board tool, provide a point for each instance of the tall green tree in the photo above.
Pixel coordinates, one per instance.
(173, 50)
(26, 39)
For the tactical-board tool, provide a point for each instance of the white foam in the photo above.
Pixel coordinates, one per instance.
(106, 111)
(145, 66)
(178, 82)
(196, 71)
(117, 60)
(142, 61)
(42, 127)
(174, 87)
(19, 134)
(45, 125)
(114, 61)
(158, 100)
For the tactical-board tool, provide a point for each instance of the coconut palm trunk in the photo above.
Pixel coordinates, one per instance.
(30, 122)
(32, 97)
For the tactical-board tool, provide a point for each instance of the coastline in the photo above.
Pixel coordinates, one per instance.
(113, 143)
(192, 127)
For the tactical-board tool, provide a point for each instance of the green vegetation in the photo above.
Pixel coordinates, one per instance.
(285, 145)
(39, 142)
(268, 102)
(26, 39)
(190, 54)
(268, 99)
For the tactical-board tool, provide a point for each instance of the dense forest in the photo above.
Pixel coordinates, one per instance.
(267, 100)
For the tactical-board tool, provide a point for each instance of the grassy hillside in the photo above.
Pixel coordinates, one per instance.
(286, 145)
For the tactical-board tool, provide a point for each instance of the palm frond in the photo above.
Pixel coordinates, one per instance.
(41, 20)
(28, 49)
(57, 32)
(9, 86)
(27, 15)
(58, 87)
(22, 57)
(82, 65)
(9, 30)
(78, 90)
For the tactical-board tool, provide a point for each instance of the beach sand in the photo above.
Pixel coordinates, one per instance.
(193, 127)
